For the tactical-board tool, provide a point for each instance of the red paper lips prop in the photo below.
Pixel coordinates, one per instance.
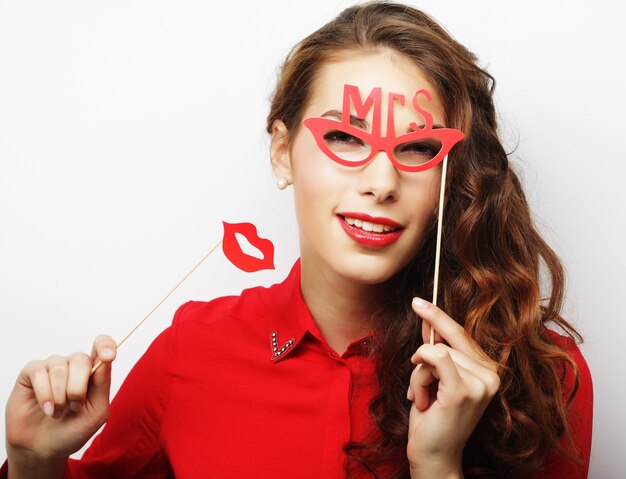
(234, 253)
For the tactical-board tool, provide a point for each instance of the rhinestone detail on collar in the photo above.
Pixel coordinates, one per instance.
(278, 351)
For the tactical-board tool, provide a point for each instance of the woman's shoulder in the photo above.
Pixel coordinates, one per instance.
(577, 382)
(568, 344)
(578, 392)
(564, 341)
(252, 305)
(247, 306)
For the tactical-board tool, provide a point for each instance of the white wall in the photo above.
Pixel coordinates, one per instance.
(129, 130)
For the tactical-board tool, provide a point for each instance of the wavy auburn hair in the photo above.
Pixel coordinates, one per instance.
(491, 261)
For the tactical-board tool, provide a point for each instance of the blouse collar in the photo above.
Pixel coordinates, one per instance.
(289, 319)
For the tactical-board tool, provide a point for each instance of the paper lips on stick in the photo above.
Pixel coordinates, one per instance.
(234, 253)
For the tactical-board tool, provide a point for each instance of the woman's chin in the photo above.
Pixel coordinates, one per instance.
(368, 272)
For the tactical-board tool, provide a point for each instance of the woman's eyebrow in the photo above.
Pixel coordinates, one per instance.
(358, 122)
(411, 130)
(363, 124)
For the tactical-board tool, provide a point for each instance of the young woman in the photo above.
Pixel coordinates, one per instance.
(331, 374)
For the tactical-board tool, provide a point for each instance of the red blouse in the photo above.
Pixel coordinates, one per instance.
(245, 386)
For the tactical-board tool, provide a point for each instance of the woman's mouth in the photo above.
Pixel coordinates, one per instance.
(369, 227)
(369, 231)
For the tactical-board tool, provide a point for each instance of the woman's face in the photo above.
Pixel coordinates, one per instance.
(333, 201)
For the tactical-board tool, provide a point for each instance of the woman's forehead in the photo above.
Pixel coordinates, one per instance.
(397, 78)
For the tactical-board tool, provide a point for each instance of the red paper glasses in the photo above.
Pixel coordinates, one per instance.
(347, 144)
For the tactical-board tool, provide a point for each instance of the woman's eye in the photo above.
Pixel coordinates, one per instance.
(341, 138)
(423, 149)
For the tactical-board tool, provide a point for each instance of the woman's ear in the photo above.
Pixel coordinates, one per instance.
(279, 151)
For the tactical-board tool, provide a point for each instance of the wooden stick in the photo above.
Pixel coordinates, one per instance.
(442, 191)
(99, 363)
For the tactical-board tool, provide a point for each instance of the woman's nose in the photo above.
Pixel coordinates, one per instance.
(380, 179)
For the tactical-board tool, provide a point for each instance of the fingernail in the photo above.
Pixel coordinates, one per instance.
(75, 406)
(48, 408)
(419, 303)
(107, 353)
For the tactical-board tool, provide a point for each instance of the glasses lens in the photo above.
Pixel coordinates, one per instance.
(418, 152)
(346, 146)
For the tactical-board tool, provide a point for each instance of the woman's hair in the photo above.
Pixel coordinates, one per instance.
(491, 262)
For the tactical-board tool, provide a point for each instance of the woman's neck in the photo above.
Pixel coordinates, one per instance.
(341, 308)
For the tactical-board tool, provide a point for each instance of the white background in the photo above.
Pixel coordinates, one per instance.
(130, 130)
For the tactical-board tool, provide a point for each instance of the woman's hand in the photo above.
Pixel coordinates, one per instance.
(450, 388)
(55, 407)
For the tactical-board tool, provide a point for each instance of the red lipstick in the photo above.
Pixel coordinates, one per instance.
(370, 238)
(372, 219)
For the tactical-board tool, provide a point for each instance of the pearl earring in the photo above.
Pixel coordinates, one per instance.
(282, 183)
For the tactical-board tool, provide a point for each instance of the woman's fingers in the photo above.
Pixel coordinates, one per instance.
(60, 382)
(78, 379)
(35, 376)
(422, 377)
(58, 372)
(449, 330)
(426, 328)
(452, 332)
(436, 363)
(462, 349)
(479, 367)
(459, 377)
(104, 349)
